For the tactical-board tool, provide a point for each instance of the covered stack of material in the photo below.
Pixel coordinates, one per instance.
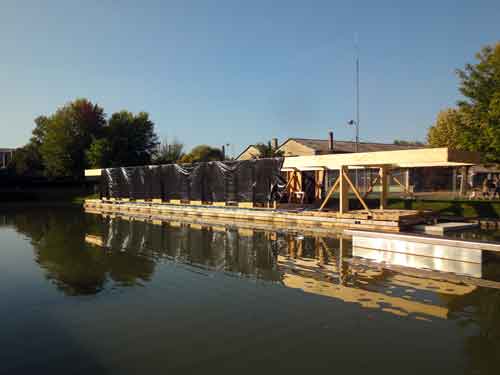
(255, 181)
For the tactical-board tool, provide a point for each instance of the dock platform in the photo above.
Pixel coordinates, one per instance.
(441, 229)
(387, 220)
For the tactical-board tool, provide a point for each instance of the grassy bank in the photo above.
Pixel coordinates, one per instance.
(81, 199)
(464, 208)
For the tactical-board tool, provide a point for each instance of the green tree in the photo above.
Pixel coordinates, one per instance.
(40, 131)
(169, 152)
(475, 125)
(267, 151)
(65, 136)
(99, 153)
(131, 139)
(203, 153)
(480, 85)
(27, 161)
(448, 131)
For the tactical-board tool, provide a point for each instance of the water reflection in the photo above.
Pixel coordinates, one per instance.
(85, 254)
(69, 262)
(321, 265)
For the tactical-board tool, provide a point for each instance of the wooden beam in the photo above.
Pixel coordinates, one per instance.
(400, 158)
(372, 185)
(319, 175)
(344, 191)
(295, 184)
(384, 179)
(356, 192)
(330, 193)
(401, 184)
(290, 178)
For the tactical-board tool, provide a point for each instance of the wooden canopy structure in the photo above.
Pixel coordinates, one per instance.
(384, 161)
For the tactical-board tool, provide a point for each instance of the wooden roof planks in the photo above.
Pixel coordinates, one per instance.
(425, 157)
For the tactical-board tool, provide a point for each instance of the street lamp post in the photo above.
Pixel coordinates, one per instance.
(356, 147)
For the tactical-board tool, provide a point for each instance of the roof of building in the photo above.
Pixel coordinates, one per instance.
(248, 148)
(321, 145)
(7, 149)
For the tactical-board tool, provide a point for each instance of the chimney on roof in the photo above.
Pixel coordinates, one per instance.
(223, 152)
(330, 141)
(274, 143)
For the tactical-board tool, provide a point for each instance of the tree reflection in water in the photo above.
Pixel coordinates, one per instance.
(75, 267)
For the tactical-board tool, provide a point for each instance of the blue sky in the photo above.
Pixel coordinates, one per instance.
(241, 72)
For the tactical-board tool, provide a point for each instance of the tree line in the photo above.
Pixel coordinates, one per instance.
(79, 136)
(474, 124)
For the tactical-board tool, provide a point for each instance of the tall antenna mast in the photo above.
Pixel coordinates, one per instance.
(356, 147)
(357, 90)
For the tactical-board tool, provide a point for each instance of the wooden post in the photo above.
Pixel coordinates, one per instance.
(407, 179)
(300, 248)
(463, 181)
(344, 191)
(454, 181)
(319, 178)
(384, 183)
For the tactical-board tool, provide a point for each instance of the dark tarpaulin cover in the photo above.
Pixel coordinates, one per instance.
(111, 181)
(166, 175)
(126, 182)
(228, 170)
(138, 183)
(198, 182)
(244, 177)
(156, 183)
(266, 174)
(220, 179)
(243, 181)
(104, 184)
(150, 182)
(178, 182)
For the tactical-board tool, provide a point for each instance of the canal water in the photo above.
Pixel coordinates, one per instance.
(85, 293)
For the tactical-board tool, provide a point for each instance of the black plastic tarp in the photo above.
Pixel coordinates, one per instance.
(156, 183)
(176, 181)
(245, 181)
(138, 184)
(126, 182)
(198, 184)
(110, 183)
(257, 181)
(266, 175)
